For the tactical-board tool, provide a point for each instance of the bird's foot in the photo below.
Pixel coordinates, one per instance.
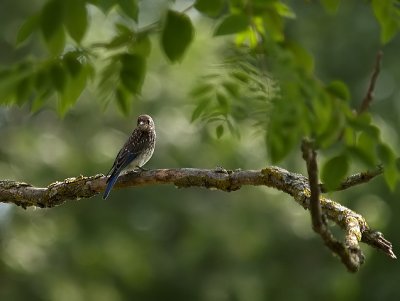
(220, 169)
(139, 168)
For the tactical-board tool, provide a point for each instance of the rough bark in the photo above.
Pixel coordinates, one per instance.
(72, 189)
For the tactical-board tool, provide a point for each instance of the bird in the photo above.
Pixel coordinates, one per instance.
(136, 151)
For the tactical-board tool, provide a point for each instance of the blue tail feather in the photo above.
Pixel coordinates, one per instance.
(111, 181)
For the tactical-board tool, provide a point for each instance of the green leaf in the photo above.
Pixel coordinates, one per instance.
(141, 45)
(42, 80)
(123, 100)
(51, 25)
(233, 23)
(219, 131)
(27, 28)
(367, 146)
(24, 90)
(331, 6)
(202, 88)
(73, 89)
(303, 58)
(339, 89)
(72, 63)
(211, 8)
(39, 100)
(388, 158)
(176, 36)
(364, 150)
(286, 126)
(363, 123)
(231, 87)
(200, 109)
(284, 10)
(332, 130)
(104, 5)
(385, 154)
(334, 171)
(388, 15)
(223, 102)
(130, 8)
(9, 78)
(391, 175)
(133, 72)
(240, 75)
(58, 76)
(233, 129)
(277, 147)
(76, 19)
(118, 41)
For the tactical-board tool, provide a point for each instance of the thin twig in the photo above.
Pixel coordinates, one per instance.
(356, 179)
(371, 87)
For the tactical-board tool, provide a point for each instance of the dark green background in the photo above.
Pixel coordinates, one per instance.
(162, 243)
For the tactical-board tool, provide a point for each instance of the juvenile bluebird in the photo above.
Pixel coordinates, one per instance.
(136, 151)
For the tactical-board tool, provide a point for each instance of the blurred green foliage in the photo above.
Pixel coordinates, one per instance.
(285, 70)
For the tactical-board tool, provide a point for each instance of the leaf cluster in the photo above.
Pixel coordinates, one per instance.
(270, 80)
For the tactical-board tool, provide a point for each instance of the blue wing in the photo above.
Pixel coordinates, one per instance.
(123, 159)
(129, 152)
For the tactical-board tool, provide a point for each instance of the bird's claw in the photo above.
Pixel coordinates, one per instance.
(220, 169)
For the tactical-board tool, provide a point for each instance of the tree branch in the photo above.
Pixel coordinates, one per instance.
(349, 252)
(371, 87)
(310, 156)
(296, 185)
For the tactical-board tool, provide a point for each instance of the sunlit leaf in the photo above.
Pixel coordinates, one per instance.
(339, 89)
(388, 15)
(284, 10)
(176, 36)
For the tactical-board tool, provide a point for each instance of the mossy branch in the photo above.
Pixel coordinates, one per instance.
(296, 185)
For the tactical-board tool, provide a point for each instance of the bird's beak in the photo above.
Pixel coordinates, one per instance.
(141, 122)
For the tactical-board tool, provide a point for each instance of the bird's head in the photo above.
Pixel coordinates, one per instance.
(145, 122)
